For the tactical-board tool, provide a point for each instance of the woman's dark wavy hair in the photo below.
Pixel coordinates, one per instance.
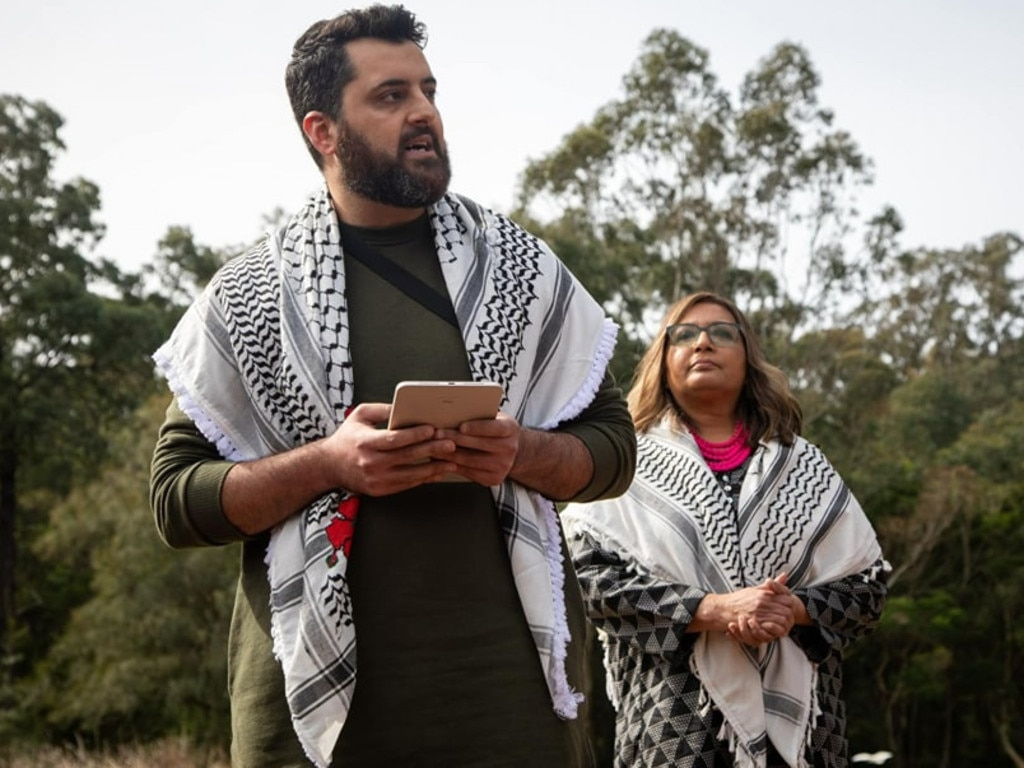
(766, 405)
(320, 66)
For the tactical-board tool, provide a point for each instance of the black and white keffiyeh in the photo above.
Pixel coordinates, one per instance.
(795, 515)
(261, 364)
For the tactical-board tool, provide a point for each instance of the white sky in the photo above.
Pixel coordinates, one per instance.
(178, 110)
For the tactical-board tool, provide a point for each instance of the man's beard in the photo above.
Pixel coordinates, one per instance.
(382, 178)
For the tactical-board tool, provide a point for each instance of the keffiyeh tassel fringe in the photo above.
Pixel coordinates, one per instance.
(704, 703)
(811, 720)
(741, 755)
(193, 410)
(610, 688)
(585, 395)
(565, 700)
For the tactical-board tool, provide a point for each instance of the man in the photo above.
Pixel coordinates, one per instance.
(455, 593)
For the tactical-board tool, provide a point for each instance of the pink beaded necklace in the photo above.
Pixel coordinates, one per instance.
(721, 457)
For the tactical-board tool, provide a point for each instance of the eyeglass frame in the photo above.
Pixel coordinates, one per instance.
(702, 329)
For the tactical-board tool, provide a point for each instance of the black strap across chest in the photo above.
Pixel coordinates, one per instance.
(401, 278)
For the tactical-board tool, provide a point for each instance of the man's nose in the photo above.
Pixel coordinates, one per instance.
(424, 110)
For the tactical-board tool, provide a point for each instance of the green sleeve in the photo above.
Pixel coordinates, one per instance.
(186, 477)
(187, 473)
(606, 428)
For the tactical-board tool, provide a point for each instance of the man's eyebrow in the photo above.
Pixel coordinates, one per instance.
(398, 81)
(390, 83)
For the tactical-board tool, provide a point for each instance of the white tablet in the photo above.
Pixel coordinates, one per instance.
(443, 404)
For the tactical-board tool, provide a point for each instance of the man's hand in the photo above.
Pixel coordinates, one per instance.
(554, 464)
(485, 450)
(359, 457)
(379, 462)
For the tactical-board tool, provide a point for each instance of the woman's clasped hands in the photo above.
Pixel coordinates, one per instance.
(757, 615)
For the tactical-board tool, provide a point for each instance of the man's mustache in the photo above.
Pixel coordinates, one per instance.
(410, 136)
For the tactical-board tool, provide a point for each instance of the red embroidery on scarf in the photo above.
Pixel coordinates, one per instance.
(342, 528)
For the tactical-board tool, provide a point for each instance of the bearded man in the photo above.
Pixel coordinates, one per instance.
(385, 615)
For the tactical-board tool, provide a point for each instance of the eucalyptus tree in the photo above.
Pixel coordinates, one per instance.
(939, 469)
(671, 188)
(74, 332)
(142, 655)
(935, 306)
(944, 672)
(182, 266)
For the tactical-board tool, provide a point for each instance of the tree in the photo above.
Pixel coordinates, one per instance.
(937, 464)
(950, 655)
(936, 307)
(74, 332)
(671, 188)
(143, 655)
(182, 266)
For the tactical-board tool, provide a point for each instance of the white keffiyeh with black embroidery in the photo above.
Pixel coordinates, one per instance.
(261, 363)
(795, 515)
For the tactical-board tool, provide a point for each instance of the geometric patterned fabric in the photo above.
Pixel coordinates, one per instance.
(662, 719)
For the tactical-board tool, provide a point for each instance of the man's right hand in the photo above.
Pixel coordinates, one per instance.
(379, 462)
(358, 456)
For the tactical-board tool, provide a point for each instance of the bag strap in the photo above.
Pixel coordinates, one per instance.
(401, 279)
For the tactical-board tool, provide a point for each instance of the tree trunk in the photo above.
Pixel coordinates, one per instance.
(8, 546)
(1003, 729)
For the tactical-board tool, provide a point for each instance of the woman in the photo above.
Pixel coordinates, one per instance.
(730, 578)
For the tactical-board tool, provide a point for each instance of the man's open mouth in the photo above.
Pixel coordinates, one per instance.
(420, 144)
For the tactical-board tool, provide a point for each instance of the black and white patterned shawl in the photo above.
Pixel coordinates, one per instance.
(261, 363)
(795, 515)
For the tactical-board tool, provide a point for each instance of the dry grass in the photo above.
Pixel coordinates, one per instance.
(170, 753)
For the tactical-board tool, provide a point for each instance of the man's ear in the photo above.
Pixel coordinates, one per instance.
(321, 132)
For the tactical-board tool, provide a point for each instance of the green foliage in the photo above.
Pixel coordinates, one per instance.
(182, 266)
(143, 652)
(671, 188)
(943, 482)
(933, 307)
(73, 341)
(76, 336)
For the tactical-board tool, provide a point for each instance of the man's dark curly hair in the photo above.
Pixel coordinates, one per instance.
(320, 66)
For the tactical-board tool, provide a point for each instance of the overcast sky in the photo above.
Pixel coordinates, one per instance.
(178, 110)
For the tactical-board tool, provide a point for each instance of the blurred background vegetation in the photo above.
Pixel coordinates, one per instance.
(909, 363)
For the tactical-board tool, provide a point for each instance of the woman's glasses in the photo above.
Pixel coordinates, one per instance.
(720, 334)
